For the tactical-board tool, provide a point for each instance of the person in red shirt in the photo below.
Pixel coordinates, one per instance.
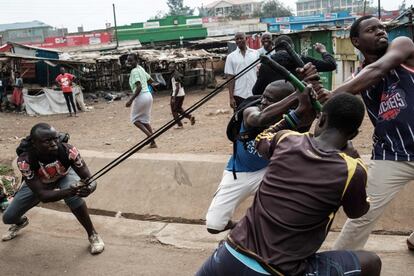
(65, 81)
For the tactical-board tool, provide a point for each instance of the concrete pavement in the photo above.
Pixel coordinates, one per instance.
(55, 244)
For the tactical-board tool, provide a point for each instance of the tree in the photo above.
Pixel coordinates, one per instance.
(236, 13)
(177, 8)
(158, 15)
(202, 11)
(274, 8)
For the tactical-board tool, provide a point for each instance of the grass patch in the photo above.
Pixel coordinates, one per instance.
(5, 169)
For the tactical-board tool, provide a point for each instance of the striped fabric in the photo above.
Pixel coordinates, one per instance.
(390, 106)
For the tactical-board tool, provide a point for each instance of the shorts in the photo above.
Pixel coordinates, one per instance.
(333, 263)
(329, 263)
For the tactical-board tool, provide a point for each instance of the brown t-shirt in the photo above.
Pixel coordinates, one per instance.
(297, 200)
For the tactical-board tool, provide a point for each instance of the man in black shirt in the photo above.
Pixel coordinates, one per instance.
(266, 75)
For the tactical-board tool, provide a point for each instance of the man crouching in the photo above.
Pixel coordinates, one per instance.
(52, 170)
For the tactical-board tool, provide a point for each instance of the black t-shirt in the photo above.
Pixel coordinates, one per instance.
(49, 169)
(267, 75)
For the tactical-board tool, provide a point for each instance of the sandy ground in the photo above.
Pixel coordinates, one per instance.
(107, 128)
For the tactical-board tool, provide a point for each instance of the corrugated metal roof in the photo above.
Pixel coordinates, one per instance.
(22, 25)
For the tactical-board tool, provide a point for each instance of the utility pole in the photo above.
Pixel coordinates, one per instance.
(365, 7)
(116, 28)
(379, 9)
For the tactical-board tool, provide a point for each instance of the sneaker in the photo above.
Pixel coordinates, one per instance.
(14, 229)
(97, 244)
(178, 127)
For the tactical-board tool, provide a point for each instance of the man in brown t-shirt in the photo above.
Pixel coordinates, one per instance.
(307, 180)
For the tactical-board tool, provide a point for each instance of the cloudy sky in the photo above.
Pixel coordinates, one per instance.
(93, 14)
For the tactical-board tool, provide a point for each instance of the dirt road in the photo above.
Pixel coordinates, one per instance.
(107, 128)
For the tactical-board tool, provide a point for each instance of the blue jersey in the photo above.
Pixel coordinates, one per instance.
(247, 159)
(390, 106)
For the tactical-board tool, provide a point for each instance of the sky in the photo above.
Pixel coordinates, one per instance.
(93, 14)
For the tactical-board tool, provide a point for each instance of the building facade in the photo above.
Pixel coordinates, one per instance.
(22, 32)
(313, 7)
(225, 8)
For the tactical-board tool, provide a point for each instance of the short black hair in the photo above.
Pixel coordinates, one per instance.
(37, 127)
(134, 55)
(345, 112)
(354, 31)
(283, 89)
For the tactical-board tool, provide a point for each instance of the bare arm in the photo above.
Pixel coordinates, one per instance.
(252, 117)
(231, 91)
(46, 195)
(177, 88)
(136, 93)
(399, 51)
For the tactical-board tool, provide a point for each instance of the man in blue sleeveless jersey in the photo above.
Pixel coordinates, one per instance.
(247, 163)
(385, 82)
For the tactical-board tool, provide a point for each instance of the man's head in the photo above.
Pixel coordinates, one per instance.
(132, 60)
(44, 139)
(275, 92)
(284, 38)
(368, 35)
(267, 40)
(240, 39)
(344, 113)
(62, 70)
(17, 74)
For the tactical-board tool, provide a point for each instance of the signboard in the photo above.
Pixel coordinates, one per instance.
(194, 21)
(152, 24)
(75, 40)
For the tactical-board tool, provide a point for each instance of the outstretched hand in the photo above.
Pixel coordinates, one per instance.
(320, 48)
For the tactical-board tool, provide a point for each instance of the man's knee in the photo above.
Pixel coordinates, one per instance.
(10, 218)
(370, 263)
(216, 230)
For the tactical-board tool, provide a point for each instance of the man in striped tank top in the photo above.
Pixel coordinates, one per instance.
(386, 84)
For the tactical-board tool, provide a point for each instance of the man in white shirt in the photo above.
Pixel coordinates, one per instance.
(239, 59)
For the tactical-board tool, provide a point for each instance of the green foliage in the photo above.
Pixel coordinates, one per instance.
(236, 13)
(177, 8)
(5, 169)
(274, 8)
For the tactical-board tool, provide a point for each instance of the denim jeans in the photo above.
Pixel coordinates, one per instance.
(25, 199)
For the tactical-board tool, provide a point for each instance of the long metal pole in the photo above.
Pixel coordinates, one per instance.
(379, 9)
(365, 6)
(116, 28)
